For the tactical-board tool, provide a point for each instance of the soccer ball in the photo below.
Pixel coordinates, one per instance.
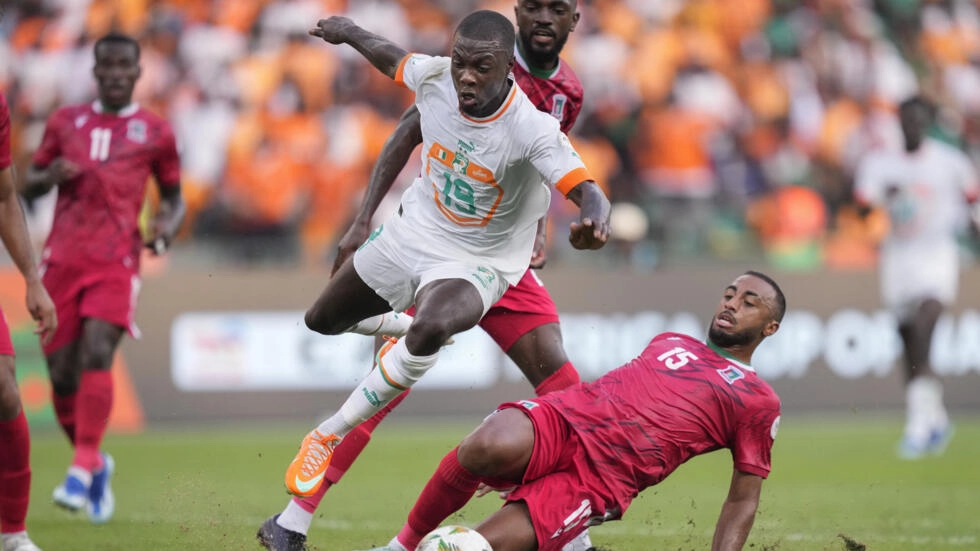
(453, 538)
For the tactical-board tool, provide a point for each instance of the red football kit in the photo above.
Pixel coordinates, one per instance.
(91, 258)
(598, 444)
(6, 346)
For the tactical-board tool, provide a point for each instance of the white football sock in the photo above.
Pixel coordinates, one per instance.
(295, 518)
(924, 406)
(396, 371)
(392, 324)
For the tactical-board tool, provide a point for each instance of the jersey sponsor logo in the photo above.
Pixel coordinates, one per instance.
(80, 121)
(136, 131)
(731, 374)
(528, 404)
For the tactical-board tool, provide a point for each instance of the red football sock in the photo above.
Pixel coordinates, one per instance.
(565, 377)
(64, 409)
(346, 453)
(15, 473)
(92, 417)
(449, 489)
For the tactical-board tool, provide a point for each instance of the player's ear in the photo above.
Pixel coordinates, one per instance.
(770, 329)
(575, 17)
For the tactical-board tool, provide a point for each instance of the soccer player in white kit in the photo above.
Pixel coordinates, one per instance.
(925, 189)
(465, 228)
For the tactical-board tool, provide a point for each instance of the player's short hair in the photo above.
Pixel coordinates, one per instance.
(487, 25)
(918, 101)
(117, 38)
(780, 310)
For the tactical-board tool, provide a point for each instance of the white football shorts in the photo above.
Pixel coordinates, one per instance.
(396, 263)
(913, 274)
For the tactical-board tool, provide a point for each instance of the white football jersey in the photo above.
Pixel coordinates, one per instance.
(484, 182)
(925, 192)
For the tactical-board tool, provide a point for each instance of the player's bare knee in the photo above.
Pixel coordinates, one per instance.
(492, 450)
(477, 454)
(427, 335)
(97, 355)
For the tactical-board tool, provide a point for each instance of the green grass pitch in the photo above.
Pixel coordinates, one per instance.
(210, 488)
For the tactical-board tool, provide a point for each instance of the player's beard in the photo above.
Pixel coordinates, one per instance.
(543, 58)
(727, 340)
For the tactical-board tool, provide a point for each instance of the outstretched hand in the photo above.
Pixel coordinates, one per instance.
(332, 30)
(588, 234)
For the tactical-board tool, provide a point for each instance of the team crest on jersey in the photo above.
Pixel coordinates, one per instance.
(731, 374)
(460, 160)
(558, 102)
(136, 131)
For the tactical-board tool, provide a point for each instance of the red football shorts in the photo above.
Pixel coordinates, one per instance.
(562, 490)
(523, 307)
(108, 293)
(6, 346)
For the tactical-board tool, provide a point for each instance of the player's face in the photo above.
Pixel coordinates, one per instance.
(543, 27)
(479, 69)
(915, 121)
(116, 70)
(744, 315)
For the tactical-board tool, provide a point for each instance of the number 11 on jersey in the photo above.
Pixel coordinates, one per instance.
(100, 139)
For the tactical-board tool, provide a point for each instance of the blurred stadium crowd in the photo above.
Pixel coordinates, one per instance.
(719, 128)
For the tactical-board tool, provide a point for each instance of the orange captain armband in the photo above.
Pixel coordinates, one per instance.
(572, 179)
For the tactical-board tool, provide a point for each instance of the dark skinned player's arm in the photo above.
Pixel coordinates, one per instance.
(392, 159)
(381, 52)
(39, 180)
(170, 214)
(13, 228)
(395, 153)
(15, 237)
(738, 512)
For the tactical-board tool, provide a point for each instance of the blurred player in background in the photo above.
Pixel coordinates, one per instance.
(524, 322)
(464, 230)
(15, 441)
(581, 455)
(924, 189)
(99, 156)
